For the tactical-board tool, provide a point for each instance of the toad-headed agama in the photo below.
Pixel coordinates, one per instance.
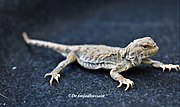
(115, 59)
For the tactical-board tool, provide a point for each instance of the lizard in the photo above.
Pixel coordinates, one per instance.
(115, 59)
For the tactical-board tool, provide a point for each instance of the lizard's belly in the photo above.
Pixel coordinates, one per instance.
(90, 65)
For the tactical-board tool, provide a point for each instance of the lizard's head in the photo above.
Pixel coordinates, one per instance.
(142, 48)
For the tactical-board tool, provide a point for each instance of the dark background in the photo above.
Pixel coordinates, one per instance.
(114, 23)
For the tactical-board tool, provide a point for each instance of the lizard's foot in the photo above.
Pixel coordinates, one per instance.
(53, 75)
(170, 66)
(128, 82)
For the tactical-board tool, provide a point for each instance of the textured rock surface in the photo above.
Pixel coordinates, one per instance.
(114, 23)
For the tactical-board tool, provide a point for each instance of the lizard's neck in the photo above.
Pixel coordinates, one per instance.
(133, 57)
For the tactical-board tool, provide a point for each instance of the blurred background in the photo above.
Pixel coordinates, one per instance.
(114, 23)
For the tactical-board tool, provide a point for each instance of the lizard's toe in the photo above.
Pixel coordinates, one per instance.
(53, 75)
(120, 84)
(170, 67)
(47, 74)
(127, 82)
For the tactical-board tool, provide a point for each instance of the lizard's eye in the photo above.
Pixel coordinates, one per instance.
(145, 46)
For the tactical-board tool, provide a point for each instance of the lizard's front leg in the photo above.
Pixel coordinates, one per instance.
(54, 74)
(118, 77)
(159, 64)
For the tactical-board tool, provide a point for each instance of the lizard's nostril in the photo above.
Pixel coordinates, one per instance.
(154, 46)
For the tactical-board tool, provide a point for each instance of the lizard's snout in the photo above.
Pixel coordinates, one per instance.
(157, 48)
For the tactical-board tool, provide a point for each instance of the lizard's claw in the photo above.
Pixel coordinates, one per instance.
(53, 75)
(128, 82)
(170, 66)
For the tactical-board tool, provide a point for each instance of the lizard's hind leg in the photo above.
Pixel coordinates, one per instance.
(71, 57)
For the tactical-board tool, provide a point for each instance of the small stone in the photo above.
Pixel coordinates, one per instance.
(13, 68)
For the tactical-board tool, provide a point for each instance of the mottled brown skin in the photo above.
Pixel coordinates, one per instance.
(100, 56)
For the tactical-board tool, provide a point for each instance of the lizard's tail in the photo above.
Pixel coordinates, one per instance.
(63, 49)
